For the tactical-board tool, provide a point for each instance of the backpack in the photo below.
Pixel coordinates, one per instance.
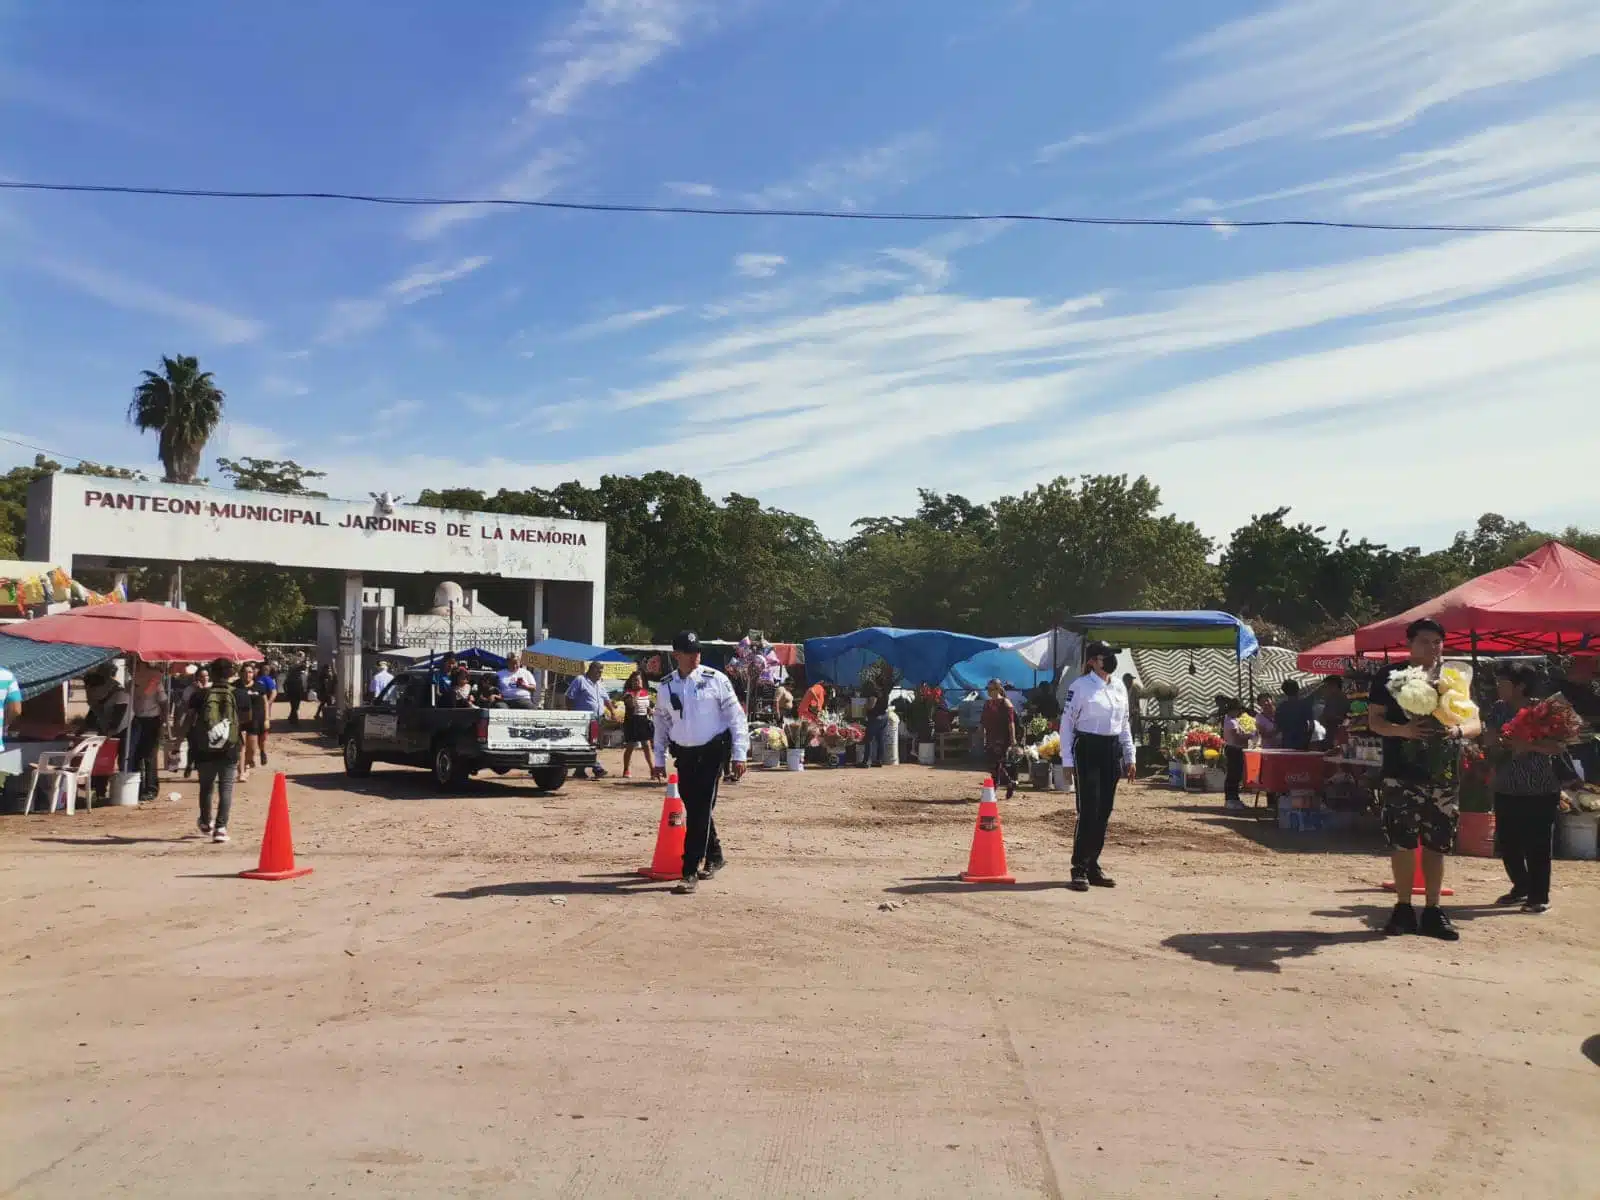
(219, 718)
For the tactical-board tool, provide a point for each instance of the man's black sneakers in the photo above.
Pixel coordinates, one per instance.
(1100, 879)
(1402, 920)
(1512, 897)
(1436, 925)
(1079, 881)
(710, 869)
(686, 886)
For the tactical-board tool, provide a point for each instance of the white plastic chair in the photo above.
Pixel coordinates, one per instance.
(68, 771)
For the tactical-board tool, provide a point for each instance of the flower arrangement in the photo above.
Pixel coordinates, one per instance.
(1551, 720)
(1036, 728)
(772, 738)
(1192, 744)
(1210, 756)
(1246, 724)
(798, 735)
(1049, 747)
(929, 700)
(1449, 701)
(836, 735)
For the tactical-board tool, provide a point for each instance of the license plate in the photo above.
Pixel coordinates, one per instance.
(538, 759)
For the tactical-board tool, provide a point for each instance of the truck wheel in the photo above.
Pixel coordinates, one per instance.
(549, 779)
(356, 764)
(448, 769)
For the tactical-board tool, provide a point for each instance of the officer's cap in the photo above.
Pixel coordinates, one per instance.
(687, 642)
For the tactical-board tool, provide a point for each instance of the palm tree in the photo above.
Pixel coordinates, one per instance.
(185, 405)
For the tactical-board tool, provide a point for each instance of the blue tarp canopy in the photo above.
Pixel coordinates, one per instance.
(573, 658)
(919, 655)
(40, 666)
(1005, 664)
(1192, 630)
(474, 658)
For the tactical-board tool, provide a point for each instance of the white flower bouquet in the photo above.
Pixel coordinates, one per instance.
(1449, 701)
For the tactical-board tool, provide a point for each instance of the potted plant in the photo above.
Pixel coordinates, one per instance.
(929, 700)
(1475, 831)
(797, 736)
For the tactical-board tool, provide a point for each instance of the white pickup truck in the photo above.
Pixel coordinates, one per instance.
(407, 725)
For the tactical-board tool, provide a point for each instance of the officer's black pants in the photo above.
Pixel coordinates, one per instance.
(1097, 759)
(699, 772)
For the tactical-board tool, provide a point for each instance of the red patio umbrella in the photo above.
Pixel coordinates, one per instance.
(1547, 602)
(152, 631)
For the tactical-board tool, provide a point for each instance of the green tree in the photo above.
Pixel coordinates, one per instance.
(269, 475)
(14, 496)
(1091, 544)
(184, 405)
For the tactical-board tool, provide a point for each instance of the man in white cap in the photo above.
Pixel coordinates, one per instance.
(699, 716)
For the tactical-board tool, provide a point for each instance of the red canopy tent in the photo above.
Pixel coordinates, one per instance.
(1546, 603)
(1336, 657)
(152, 631)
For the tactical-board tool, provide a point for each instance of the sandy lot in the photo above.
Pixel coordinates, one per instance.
(469, 997)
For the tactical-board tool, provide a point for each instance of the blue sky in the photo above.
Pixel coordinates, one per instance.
(828, 367)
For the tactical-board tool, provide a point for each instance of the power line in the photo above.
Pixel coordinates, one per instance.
(689, 210)
(40, 449)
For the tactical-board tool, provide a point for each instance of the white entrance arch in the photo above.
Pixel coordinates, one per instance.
(84, 521)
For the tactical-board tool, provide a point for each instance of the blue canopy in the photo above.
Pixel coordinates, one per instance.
(573, 658)
(1004, 664)
(474, 658)
(920, 655)
(1191, 630)
(40, 666)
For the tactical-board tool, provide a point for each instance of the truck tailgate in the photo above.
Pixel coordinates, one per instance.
(536, 729)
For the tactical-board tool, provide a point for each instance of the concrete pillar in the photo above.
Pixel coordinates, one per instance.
(536, 610)
(352, 681)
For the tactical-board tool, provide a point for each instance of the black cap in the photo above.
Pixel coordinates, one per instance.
(687, 642)
(1095, 650)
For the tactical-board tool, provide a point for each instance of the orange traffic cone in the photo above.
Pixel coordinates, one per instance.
(668, 862)
(1419, 885)
(988, 861)
(277, 842)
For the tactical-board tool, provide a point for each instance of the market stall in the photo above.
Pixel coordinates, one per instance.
(918, 656)
(42, 669)
(573, 658)
(152, 632)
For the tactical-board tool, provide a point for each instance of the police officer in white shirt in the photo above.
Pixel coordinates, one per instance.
(699, 716)
(1097, 745)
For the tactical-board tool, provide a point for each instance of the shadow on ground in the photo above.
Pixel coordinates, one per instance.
(114, 839)
(628, 884)
(934, 885)
(1267, 835)
(1375, 916)
(405, 783)
(1591, 1049)
(1263, 950)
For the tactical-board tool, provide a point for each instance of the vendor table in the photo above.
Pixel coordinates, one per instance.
(1288, 770)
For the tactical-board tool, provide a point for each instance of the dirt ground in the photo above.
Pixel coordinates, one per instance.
(472, 997)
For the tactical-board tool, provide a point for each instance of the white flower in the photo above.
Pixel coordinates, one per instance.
(1414, 692)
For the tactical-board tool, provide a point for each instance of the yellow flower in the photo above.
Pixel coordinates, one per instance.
(1212, 755)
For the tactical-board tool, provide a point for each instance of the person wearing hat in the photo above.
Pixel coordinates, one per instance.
(1097, 747)
(699, 717)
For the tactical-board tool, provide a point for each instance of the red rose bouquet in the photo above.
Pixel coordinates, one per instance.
(1549, 720)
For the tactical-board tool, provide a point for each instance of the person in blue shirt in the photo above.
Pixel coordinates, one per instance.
(585, 694)
(10, 702)
(1294, 718)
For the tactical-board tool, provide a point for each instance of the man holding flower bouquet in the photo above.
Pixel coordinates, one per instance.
(1424, 715)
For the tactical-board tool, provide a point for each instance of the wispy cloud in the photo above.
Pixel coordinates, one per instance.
(350, 318)
(694, 191)
(535, 179)
(219, 325)
(758, 266)
(607, 44)
(618, 322)
(855, 178)
(1332, 68)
